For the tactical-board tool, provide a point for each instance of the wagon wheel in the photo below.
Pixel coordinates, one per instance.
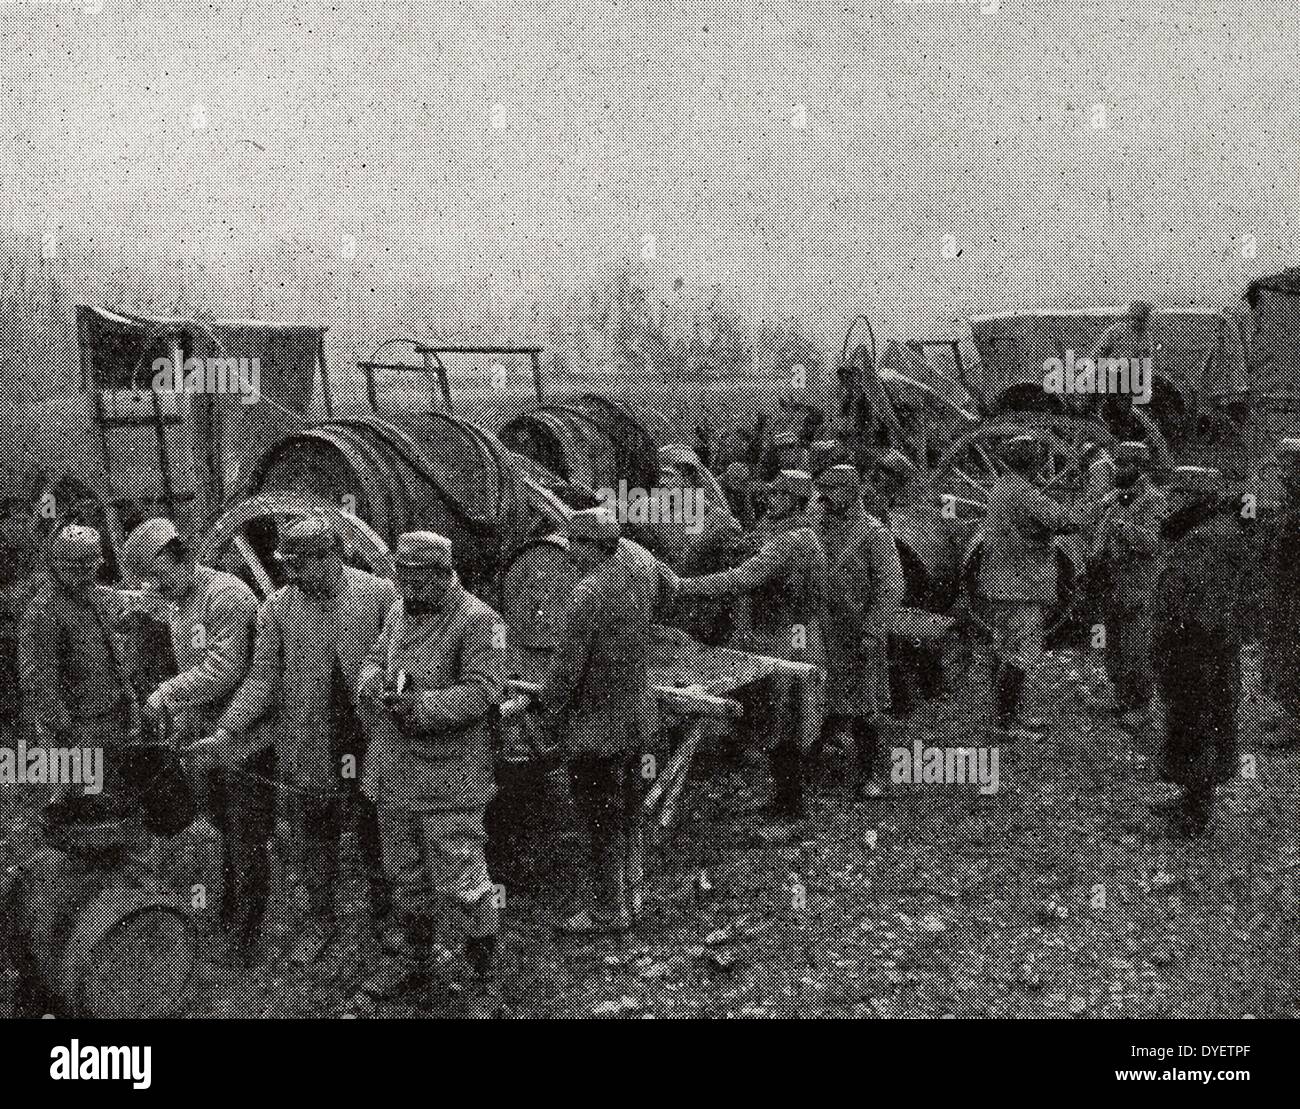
(243, 537)
(958, 489)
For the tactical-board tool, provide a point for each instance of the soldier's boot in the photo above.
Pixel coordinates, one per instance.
(1193, 817)
(410, 943)
(483, 1000)
(831, 735)
(999, 697)
(1169, 806)
(787, 775)
(867, 737)
(1012, 726)
(608, 914)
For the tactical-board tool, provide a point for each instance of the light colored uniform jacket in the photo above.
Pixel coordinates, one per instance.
(596, 694)
(1128, 540)
(212, 639)
(288, 683)
(1019, 562)
(786, 582)
(865, 588)
(455, 662)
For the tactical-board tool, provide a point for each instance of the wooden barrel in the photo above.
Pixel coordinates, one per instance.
(100, 942)
(588, 440)
(433, 472)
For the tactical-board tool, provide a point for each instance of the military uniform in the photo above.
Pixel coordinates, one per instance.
(211, 628)
(301, 683)
(596, 697)
(786, 583)
(1018, 575)
(1281, 660)
(865, 586)
(1128, 546)
(1197, 654)
(74, 668)
(75, 680)
(432, 779)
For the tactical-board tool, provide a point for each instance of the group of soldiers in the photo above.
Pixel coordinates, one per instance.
(348, 701)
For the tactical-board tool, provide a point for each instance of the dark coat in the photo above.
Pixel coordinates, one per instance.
(865, 588)
(1128, 544)
(596, 695)
(73, 663)
(1196, 650)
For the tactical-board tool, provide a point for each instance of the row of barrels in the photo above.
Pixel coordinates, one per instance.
(434, 470)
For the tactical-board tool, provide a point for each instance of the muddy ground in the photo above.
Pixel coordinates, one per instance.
(1057, 896)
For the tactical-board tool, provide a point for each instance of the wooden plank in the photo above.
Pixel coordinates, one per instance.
(689, 746)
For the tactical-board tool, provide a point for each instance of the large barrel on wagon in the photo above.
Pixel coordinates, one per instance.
(434, 472)
(98, 941)
(589, 440)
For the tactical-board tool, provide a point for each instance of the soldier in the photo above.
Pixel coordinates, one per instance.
(697, 540)
(597, 698)
(736, 484)
(1196, 645)
(1127, 545)
(789, 504)
(786, 584)
(1018, 577)
(313, 636)
(865, 588)
(790, 452)
(435, 675)
(1282, 660)
(1129, 338)
(73, 668)
(212, 615)
(19, 580)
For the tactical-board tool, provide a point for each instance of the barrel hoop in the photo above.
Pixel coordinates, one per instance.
(94, 927)
(389, 483)
(409, 451)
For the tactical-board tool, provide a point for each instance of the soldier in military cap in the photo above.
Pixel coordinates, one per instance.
(789, 504)
(790, 452)
(1281, 662)
(432, 681)
(211, 616)
(864, 589)
(596, 697)
(785, 584)
(313, 636)
(1196, 643)
(73, 666)
(1126, 548)
(1018, 577)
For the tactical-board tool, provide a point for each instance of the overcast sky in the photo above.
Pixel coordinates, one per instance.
(521, 148)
